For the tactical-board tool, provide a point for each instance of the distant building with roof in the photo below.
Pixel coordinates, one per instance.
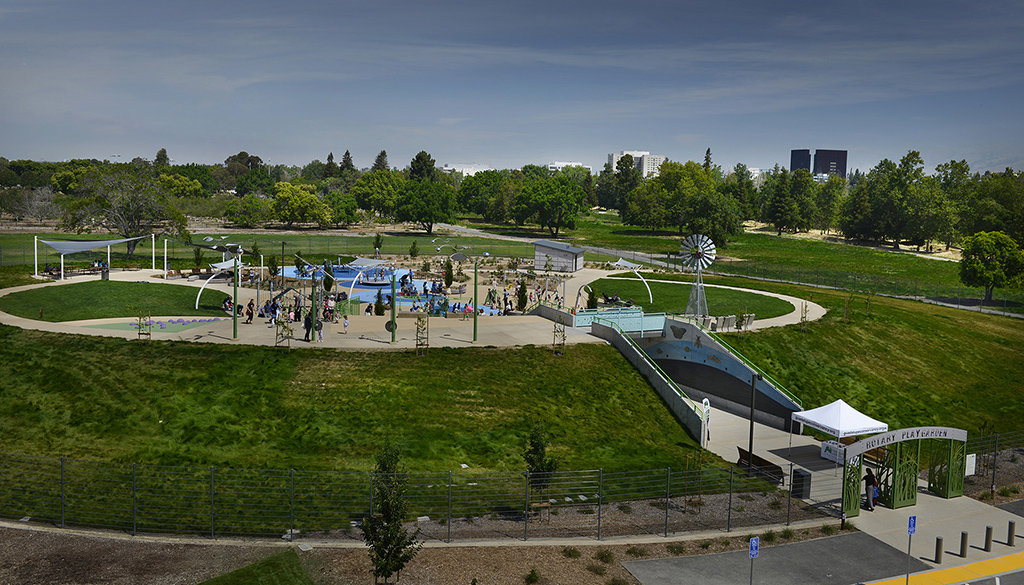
(647, 163)
(557, 256)
(557, 165)
(467, 170)
(825, 162)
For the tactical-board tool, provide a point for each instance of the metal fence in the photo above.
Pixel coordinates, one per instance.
(215, 502)
(1004, 301)
(998, 464)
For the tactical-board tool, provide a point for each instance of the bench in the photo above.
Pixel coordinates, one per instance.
(761, 466)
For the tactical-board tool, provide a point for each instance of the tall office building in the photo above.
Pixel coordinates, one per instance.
(645, 161)
(800, 159)
(826, 162)
(830, 162)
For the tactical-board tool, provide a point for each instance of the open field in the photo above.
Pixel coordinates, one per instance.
(100, 299)
(672, 298)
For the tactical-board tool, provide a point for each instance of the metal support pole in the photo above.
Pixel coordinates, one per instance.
(668, 494)
(234, 305)
(938, 550)
(62, 492)
(449, 506)
(789, 498)
(476, 300)
(212, 523)
(291, 504)
(134, 503)
(394, 305)
(526, 509)
(728, 521)
(600, 497)
(371, 493)
(995, 463)
(963, 545)
(153, 245)
(750, 442)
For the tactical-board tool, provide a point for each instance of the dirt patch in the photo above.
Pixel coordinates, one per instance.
(939, 251)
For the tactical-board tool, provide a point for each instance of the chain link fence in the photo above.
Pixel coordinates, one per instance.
(998, 465)
(216, 502)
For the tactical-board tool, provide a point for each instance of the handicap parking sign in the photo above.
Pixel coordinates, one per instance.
(754, 544)
(912, 525)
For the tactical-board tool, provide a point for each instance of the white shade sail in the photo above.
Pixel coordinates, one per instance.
(72, 246)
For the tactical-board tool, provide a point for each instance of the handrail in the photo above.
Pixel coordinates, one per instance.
(693, 406)
(746, 361)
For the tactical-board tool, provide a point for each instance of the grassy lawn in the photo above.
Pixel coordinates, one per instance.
(101, 299)
(906, 363)
(191, 404)
(672, 298)
(280, 569)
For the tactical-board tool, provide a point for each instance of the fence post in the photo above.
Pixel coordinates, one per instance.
(134, 503)
(291, 504)
(526, 509)
(600, 498)
(212, 523)
(449, 506)
(728, 520)
(789, 499)
(62, 492)
(995, 463)
(668, 494)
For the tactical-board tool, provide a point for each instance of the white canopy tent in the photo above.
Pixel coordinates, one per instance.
(838, 419)
(64, 247)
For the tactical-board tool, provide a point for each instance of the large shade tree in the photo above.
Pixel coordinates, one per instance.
(991, 260)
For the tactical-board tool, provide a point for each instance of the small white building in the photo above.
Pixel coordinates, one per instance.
(548, 255)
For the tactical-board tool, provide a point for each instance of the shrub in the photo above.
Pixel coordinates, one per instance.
(828, 529)
(605, 556)
(625, 508)
(532, 577)
(787, 533)
(676, 548)
(768, 536)
(706, 544)
(726, 541)
(570, 552)
(597, 569)
(636, 551)
(850, 525)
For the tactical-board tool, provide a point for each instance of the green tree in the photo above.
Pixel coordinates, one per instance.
(782, 210)
(391, 547)
(521, 298)
(256, 180)
(381, 162)
(827, 203)
(249, 211)
(714, 215)
(627, 178)
(379, 191)
(538, 462)
(645, 206)
(343, 207)
(557, 201)
(346, 162)
(299, 204)
(991, 260)
(161, 160)
(331, 168)
(449, 272)
(127, 201)
(426, 203)
(804, 191)
(422, 167)
(414, 249)
(179, 186)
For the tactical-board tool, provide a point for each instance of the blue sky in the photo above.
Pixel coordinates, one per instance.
(513, 83)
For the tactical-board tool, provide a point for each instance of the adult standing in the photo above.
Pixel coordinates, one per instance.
(307, 324)
(870, 485)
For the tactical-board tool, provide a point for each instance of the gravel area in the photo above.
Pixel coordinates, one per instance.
(59, 557)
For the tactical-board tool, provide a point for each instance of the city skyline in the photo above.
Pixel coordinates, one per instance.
(505, 85)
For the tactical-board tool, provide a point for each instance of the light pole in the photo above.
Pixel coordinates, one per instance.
(234, 305)
(460, 256)
(750, 443)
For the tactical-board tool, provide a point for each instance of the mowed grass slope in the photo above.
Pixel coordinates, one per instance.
(102, 299)
(671, 297)
(905, 363)
(198, 404)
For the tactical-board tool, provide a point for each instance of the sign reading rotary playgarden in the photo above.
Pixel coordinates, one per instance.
(904, 435)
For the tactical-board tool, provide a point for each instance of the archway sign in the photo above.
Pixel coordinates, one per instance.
(898, 454)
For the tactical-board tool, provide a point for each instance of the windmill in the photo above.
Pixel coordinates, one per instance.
(698, 252)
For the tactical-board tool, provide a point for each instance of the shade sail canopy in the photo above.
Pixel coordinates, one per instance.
(366, 262)
(228, 265)
(839, 419)
(72, 246)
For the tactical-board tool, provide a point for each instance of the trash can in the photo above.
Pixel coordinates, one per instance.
(801, 484)
(105, 274)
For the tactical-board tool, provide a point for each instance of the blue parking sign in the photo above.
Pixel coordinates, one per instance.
(912, 525)
(754, 544)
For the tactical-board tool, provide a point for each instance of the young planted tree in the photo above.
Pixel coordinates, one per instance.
(391, 546)
(449, 274)
(521, 296)
(538, 462)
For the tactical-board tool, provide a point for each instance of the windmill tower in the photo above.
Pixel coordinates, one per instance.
(698, 252)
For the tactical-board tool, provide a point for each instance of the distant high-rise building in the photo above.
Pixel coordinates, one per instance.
(647, 163)
(800, 159)
(558, 165)
(830, 162)
(826, 162)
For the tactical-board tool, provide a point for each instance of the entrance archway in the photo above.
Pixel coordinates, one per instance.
(898, 456)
